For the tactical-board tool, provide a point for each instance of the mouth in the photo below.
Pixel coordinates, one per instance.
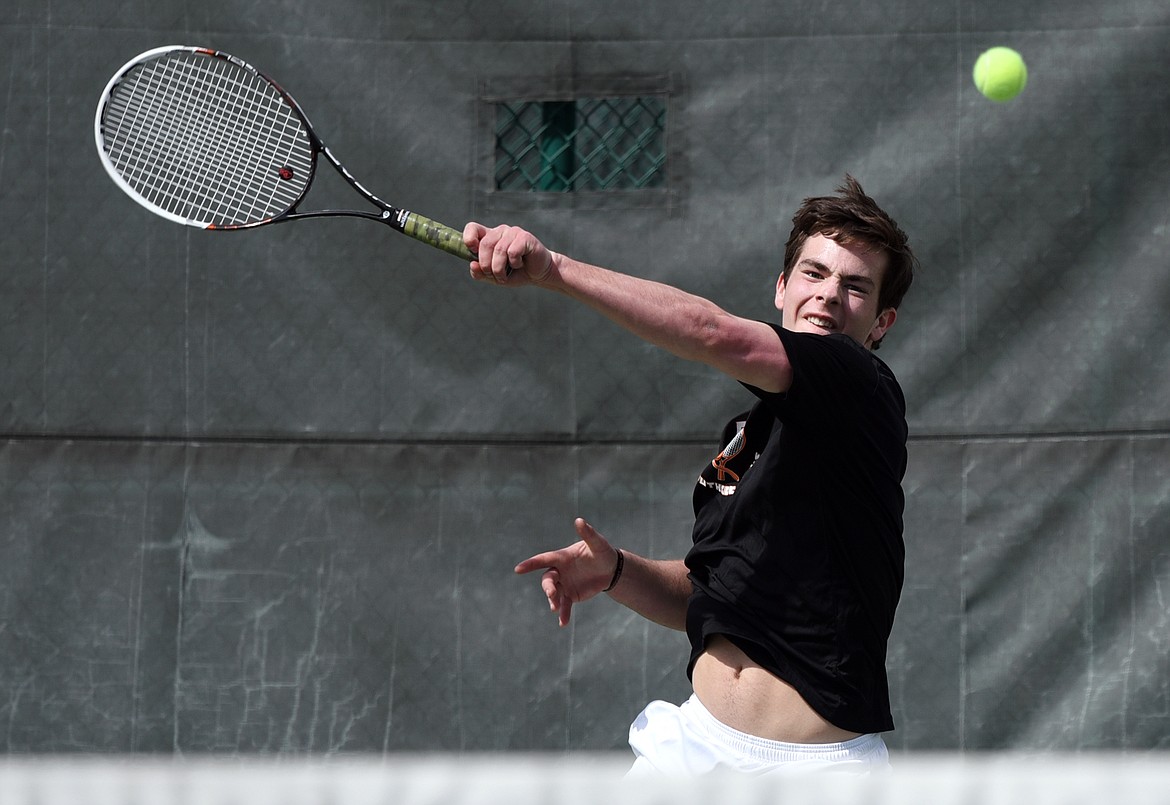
(822, 322)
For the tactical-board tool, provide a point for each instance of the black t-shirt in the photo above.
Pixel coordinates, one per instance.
(798, 552)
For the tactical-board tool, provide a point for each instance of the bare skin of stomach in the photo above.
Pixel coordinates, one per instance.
(745, 697)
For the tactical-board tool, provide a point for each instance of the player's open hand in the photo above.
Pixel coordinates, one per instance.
(507, 254)
(576, 573)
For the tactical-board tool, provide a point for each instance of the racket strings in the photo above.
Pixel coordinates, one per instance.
(203, 155)
(206, 140)
(252, 193)
(189, 166)
(248, 127)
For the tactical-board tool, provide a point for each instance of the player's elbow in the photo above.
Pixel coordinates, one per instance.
(748, 351)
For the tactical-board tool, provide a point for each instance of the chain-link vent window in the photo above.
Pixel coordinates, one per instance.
(583, 144)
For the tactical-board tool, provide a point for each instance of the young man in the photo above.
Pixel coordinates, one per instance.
(789, 590)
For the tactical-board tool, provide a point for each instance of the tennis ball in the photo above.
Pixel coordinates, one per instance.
(1000, 73)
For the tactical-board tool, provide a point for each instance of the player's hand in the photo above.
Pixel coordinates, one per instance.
(576, 573)
(506, 254)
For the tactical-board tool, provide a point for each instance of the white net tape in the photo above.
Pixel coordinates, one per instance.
(571, 780)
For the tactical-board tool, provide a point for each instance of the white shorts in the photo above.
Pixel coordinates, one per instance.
(687, 741)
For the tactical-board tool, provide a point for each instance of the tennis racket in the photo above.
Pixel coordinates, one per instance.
(204, 139)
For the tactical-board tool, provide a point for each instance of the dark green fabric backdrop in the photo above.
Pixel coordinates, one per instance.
(263, 492)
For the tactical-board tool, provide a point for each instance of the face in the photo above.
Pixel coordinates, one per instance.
(833, 288)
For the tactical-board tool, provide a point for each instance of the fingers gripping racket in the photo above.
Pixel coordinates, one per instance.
(204, 139)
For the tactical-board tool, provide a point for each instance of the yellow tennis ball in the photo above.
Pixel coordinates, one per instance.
(1000, 73)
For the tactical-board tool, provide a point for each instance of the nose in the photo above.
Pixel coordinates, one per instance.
(829, 291)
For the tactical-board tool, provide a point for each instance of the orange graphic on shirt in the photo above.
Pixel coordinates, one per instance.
(733, 449)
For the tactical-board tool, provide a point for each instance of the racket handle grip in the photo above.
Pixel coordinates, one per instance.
(436, 234)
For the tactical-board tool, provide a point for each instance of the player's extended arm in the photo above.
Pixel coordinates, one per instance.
(684, 324)
(655, 589)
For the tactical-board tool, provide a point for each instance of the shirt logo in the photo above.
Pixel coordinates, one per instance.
(733, 449)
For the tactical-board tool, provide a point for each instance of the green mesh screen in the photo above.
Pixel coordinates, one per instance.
(582, 144)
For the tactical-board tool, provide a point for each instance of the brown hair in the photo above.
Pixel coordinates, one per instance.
(854, 217)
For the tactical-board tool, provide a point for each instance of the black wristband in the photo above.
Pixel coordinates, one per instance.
(617, 571)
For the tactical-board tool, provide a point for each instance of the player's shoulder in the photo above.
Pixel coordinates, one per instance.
(842, 346)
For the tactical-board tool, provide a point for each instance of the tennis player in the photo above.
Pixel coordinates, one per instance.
(789, 590)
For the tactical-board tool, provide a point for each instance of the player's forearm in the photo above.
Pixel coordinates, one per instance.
(658, 313)
(689, 326)
(656, 589)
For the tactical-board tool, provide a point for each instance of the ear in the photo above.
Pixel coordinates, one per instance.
(779, 300)
(885, 321)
